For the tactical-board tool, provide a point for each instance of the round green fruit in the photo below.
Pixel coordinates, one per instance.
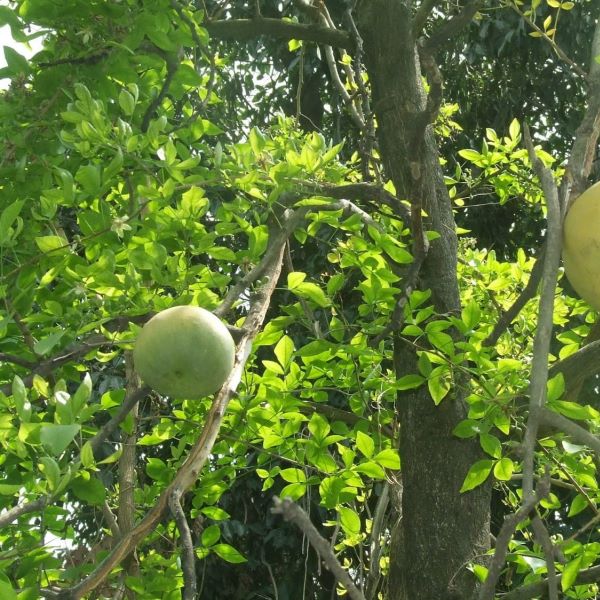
(581, 245)
(184, 352)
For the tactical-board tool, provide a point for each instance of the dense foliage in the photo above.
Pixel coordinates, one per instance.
(148, 161)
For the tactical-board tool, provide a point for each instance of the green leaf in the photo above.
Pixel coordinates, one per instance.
(7, 592)
(491, 445)
(555, 387)
(467, 429)
(211, 535)
(409, 382)
(19, 392)
(157, 469)
(293, 475)
(215, 513)
(126, 102)
(229, 553)
(349, 520)
(365, 444)
(284, 351)
(438, 383)
(294, 491)
(504, 469)
(43, 346)
(514, 130)
(82, 395)
(330, 490)
(16, 63)
(294, 279)
(570, 572)
(56, 438)
(578, 505)
(573, 410)
(51, 243)
(471, 315)
(371, 469)
(87, 456)
(7, 218)
(388, 458)
(91, 491)
(51, 471)
(319, 427)
(477, 474)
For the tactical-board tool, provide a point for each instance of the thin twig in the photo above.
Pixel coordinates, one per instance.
(557, 49)
(529, 291)
(172, 66)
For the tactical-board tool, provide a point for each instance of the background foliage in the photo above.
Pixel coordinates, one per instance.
(147, 164)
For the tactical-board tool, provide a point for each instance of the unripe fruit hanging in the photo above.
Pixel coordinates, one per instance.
(184, 352)
(581, 245)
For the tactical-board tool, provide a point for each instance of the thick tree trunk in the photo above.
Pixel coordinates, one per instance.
(441, 530)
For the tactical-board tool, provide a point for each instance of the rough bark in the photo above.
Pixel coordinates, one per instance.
(441, 530)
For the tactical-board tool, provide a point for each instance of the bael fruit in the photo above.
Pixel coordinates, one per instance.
(581, 245)
(184, 352)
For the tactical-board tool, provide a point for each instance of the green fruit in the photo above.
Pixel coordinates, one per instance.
(581, 245)
(184, 352)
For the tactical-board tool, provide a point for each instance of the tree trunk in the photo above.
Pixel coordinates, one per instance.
(441, 530)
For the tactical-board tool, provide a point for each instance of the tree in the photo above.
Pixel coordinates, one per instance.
(425, 415)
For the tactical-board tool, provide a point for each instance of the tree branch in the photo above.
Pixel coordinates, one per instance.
(199, 454)
(506, 318)
(543, 334)
(247, 29)
(508, 527)
(188, 561)
(578, 433)
(293, 513)
(421, 16)
(537, 589)
(12, 514)
(453, 26)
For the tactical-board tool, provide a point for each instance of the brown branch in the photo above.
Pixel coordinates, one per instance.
(199, 454)
(172, 66)
(543, 538)
(12, 514)
(293, 513)
(504, 536)
(277, 239)
(577, 367)
(543, 334)
(188, 561)
(578, 433)
(449, 29)
(247, 29)
(111, 426)
(533, 590)
(527, 294)
(421, 16)
(367, 192)
(17, 360)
